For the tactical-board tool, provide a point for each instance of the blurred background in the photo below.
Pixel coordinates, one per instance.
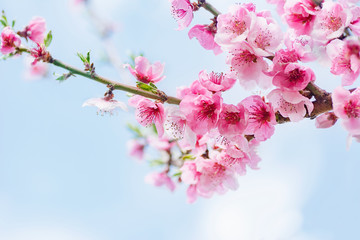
(65, 172)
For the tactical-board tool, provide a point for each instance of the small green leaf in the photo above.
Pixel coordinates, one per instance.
(64, 76)
(48, 39)
(88, 56)
(178, 174)
(4, 23)
(135, 129)
(13, 24)
(152, 85)
(156, 162)
(144, 86)
(81, 56)
(188, 157)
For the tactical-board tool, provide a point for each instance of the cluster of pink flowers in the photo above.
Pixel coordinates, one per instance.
(217, 141)
(207, 143)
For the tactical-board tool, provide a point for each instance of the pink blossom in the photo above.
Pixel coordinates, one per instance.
(205, 36)
(232, 120)
(282, 58)
(216, 81)
(237, 164)
(330, 22)
(279, 5)
(347, 107)
(261, 118)
(248, 66)
(136, 148)
(40, 54)
(265, 35)
(160, 143)
(326, 120)
(105, 105)
(300, 15)
(37, 71)
(202, 112)
(196, 88)
(182, 11)
(294, 77)
(355, 21)
(35, 30)
(345, 59)
(207, 177)
(233, 27)
(145, 72)
(148, 112)
(302, 45)
(9, 41)
(290, 104)
(160, 179)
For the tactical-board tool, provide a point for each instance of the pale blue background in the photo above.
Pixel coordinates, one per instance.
(65, 174)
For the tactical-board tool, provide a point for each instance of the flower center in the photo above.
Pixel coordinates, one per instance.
(352, 110)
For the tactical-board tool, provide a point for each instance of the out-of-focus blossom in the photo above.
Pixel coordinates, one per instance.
(9, 41)
(160, 179)
(105, 105)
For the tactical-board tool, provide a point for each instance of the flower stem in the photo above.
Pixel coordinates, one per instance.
(117, 85)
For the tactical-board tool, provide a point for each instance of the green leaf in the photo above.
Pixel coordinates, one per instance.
(4, 23)
(13, 23)
(178, 174)
(48, 39)
(188, 157)
(81, 56)
(144, 86)
(135, 129)
(152, 85)
(64, 76)
(88, 56)
(156, 162)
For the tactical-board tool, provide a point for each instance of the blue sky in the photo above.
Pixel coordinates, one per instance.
(65, 173)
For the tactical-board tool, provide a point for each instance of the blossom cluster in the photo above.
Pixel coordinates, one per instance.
(205, 142)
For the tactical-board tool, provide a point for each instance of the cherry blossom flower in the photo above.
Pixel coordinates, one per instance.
(105, 105)
(347, 107)
(182, 11)
(303, 46)
(9, 41)
(300, 15)
(326, 120)
(136, 148)
(216, 82)
(207, 177)
(290, 104)
(148, 112)
(205, 36)
(35, 30)
(35, 71)
(233, 27)
(265, 35)
(202, 112)
(145, 72)
(345, 59)
(40, 53)
(232, 120)
(294, 77)
(248, 67)
(261, 118)
(330, 22)
(160, 179)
